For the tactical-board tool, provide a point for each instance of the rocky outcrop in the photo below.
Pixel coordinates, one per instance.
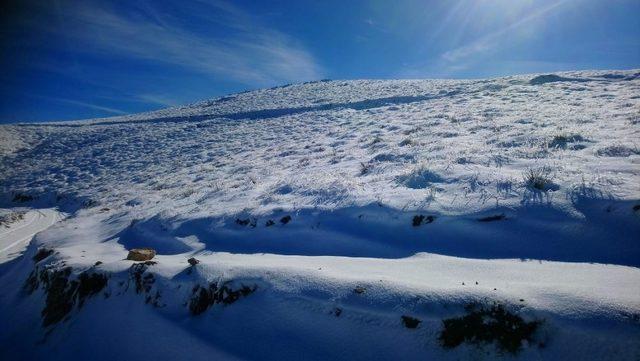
(141, 254)
(204, 297)
(63, 291)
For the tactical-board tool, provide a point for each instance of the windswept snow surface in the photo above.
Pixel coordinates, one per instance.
(15, 237)
(346, 205)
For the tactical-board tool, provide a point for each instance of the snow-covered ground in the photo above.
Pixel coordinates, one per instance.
(321, 214)
(15, 237)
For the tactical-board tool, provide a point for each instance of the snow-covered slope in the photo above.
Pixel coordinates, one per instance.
(322, 213)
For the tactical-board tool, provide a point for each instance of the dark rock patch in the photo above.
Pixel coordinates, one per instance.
(486, 325)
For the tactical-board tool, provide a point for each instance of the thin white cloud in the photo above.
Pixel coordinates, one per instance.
(492, 40)
(247, 52)
(80, 104)
(156, 99)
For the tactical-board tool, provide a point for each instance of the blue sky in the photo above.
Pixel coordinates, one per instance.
(81, 59)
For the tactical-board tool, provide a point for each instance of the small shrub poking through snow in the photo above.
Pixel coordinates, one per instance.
(538, 178)
(365, 168)
(488, 325)
(617, 151)
(420, 178)
(561, 141)
(406, 142)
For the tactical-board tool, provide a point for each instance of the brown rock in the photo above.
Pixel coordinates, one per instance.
(141, 254)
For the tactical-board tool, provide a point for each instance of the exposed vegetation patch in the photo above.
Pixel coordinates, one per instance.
(285, 219)
(89, 284)
(617, 151)
(143, 282)
(497, 217)
(420, 178)
(41, 254)
(421, 219)
(246, 222)
(486, 325)
(359, 290)
(7, 219)
(410, 322)
(551, 78)
(21, 198)
(539, 179)
(563, 140)
(62, 291)
(204, 297)
(365, 168)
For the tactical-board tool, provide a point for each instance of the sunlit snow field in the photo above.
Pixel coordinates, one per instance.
(426, 195)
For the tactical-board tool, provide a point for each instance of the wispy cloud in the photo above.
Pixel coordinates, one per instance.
(79, 104)
(157, 99)
(492, 40)
(245, 52)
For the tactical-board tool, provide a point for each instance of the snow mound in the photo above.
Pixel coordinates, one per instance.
(552, 78)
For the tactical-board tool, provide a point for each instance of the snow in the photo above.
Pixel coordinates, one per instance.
(310, 191)
(15, 238)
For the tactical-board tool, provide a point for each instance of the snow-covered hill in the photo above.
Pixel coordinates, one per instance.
(334, 220)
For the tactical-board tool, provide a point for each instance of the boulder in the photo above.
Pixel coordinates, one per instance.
(141, 254)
